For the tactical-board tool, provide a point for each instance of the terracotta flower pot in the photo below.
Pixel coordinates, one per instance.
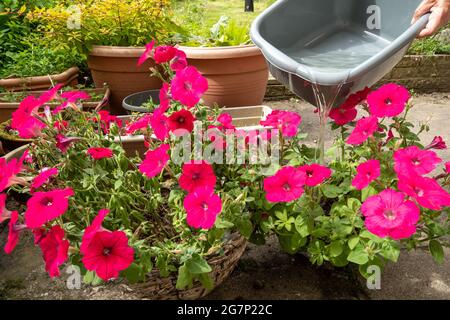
(117, 67)
(237, 76)
(68, 77)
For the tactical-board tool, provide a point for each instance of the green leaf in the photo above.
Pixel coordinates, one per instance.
(197, 264)
(391, 251)
(358, 256)
(436, 251)
(336, 248)
(352, 242)
(134, 273)
(331, 191)
(184, 278)
(367, 192)
(245, 227)
(206, 280)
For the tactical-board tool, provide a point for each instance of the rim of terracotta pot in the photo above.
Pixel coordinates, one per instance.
(248, 50)
(59, 77)
(116, 51)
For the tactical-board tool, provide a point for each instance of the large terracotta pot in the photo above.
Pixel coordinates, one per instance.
(68, 77)
(237, 76)
(117, 67)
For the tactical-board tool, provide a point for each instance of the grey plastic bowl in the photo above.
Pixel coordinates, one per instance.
(335, 44)
(134, 102)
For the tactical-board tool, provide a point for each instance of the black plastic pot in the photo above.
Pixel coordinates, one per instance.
(134, 102)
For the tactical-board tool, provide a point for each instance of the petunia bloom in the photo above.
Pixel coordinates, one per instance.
(181, 122)
(389, 215)
(315, 174)
(5, 214)
(202, 207)
(426, 191)
(179, 61)
(286, 121)
(367, 172)
(8, 172)
(364, 129)
(164, 54)
(155, 161)
(89, 232)
(226, 121)
(100, 153)
(43, 207)
(107, 254)
(141, 124)
(438, 143)
(147, 53)
(63, 143)
(343, 115)
(413, 159)
(447, 167)
(13, 233)
(160, 124)
(285, 186)
(196, 175)
(388, 101)
(188, 86)
(54, 249)
(164, 97)
(43, 177)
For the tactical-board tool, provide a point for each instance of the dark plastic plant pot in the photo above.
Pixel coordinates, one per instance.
(134, 102)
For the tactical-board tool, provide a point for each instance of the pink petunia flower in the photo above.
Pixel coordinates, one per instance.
(196, 175)
(71, 98)
(43, 207)
(27, 108)
(181, 122)
(100, 153)
(5, 214)
(367, 172)
(31, 128)
(447, 167)
(54, 249)
(179, 61)
(43, 177)
(160, 124)
(9, 171)
(226, 121)
(164, 97)
(286, 121)
(202, 207)
(147, 53)
(364, 129)
(315, 174)
(414, 160)
(285, 186)
(389, 215)
(141, 124)
(63, 143)
(50, 94)
(13, 233)
(164, 54)
(426, 191)
(89, 232)
(188, 86)
(155, 161)
(107, 254)
(438, 143)
(343, 115)
(388, 101)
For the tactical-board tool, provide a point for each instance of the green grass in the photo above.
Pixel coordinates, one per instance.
(198, 16)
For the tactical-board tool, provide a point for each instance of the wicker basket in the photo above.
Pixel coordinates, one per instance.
(157, 288)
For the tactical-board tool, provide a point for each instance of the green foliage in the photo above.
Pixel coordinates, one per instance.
(106, 22)
(429, 46)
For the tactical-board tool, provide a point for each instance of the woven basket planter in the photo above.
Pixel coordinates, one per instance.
(157, 288)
